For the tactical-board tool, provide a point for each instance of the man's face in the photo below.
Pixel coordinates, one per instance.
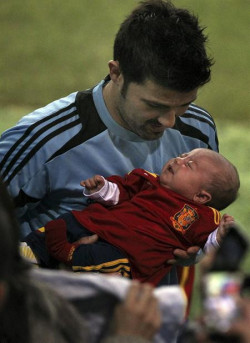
(189, 173)
(148, 109)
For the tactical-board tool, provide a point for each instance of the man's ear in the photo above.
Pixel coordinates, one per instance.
(3, 293)
(114, 71)
(202, 197)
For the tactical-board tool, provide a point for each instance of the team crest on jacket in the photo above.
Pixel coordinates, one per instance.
(183, 219)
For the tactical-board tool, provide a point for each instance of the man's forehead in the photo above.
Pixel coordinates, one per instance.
(151, 91)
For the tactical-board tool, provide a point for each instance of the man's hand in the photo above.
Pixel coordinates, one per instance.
(87, 240)
(93, 184)
(182, 256)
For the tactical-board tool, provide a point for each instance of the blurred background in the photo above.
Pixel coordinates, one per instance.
(51, 48)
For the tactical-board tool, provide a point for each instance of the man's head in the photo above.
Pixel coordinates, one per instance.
(164, 44)
(159, 63)
(204, 176)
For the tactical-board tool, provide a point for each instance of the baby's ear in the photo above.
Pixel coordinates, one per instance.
(202, 197)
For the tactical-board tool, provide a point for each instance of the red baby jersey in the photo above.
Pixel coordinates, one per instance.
(148, 223)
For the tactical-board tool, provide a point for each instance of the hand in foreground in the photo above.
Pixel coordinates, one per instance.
(93, 184)
(240, 326)
(225, 223)
(139, 314)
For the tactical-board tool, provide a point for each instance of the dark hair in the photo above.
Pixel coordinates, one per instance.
(165, 44)
(10, 258)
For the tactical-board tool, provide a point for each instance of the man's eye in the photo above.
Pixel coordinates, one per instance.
(158, 106)
(154, 105)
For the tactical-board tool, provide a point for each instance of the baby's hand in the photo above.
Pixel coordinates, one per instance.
(93, 184)
(225, 223)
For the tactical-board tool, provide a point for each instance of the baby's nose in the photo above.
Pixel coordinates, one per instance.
(179, 160)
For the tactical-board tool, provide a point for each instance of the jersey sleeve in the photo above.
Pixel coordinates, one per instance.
(201, 230)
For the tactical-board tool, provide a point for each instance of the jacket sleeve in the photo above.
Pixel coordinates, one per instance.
(29, 145)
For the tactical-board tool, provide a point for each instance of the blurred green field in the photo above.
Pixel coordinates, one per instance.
(51, 48)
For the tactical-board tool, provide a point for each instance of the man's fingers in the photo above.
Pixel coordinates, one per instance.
(193, 250)
(179, 253)
(87, 240)
(182, 255)
(172, 261)
(185, 254)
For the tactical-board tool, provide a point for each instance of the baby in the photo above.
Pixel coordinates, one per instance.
(143, 217)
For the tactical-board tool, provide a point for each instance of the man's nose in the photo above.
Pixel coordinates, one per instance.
(168, 119)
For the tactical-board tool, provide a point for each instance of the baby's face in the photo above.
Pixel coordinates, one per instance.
(188, 173)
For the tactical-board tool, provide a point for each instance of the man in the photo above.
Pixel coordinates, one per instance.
(141, 115)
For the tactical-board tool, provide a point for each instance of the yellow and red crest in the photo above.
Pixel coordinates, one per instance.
(183, 219)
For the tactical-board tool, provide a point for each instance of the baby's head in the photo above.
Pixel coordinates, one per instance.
(204, 176)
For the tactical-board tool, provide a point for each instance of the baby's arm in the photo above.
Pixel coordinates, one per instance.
(216, 237)
(225, 223)
(101, 190)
